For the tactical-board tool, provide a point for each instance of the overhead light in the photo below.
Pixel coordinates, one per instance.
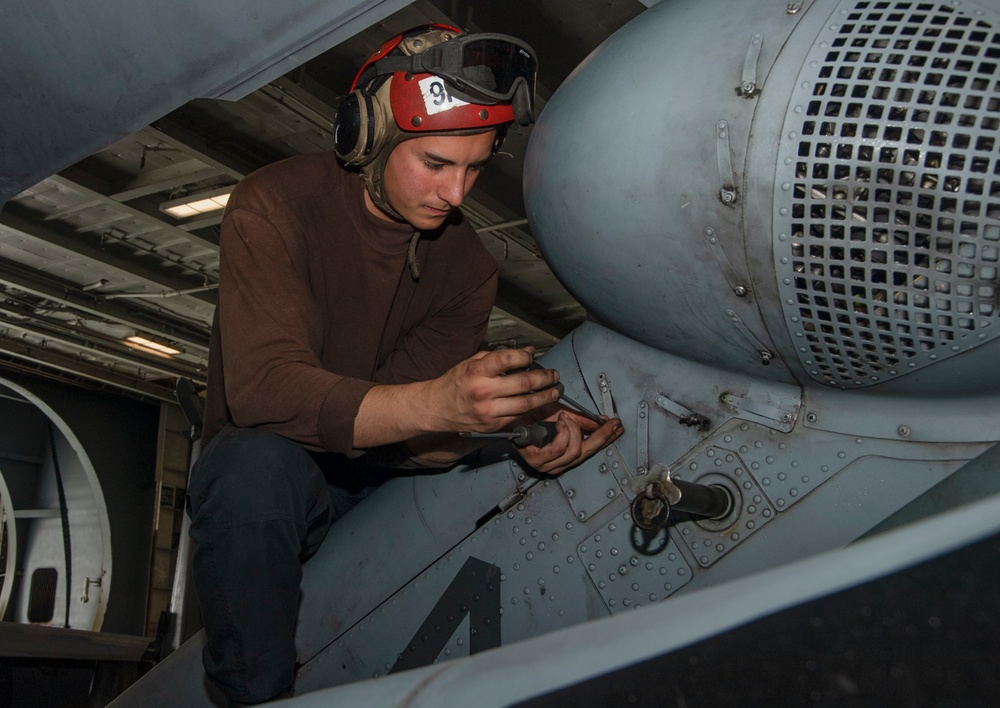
(151, 347)
(195, 204)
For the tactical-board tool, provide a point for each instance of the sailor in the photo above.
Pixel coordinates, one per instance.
(353, 298)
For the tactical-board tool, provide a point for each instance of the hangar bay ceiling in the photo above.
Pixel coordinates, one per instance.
(101, 286)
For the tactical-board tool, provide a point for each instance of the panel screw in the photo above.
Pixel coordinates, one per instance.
(811, 417)
(904, 431)
(740, 291)
(748, 87)
(728, 196)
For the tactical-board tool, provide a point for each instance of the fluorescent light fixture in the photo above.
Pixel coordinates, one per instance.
(148, 345)
(195, 204)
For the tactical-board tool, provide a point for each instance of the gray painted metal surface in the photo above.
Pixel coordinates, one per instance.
(565, 550)
(537, 666)
(77, 77)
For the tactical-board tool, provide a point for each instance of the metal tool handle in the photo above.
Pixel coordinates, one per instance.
(537, 434)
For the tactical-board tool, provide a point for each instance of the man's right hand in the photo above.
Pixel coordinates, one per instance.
(486, 392)
(490, 391)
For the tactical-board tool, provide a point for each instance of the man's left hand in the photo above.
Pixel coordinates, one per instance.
(577, 438)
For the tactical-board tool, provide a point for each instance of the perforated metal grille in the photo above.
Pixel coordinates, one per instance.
(887, 218)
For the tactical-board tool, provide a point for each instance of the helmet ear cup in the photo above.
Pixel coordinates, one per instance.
(353, 129)
(364, 125)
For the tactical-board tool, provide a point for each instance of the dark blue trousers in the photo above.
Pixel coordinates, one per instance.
(259, 506)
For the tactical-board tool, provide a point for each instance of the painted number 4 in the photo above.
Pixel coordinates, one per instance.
(475, 592)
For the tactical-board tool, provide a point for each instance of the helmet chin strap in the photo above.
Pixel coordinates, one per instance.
(374, 176)
(374, 173)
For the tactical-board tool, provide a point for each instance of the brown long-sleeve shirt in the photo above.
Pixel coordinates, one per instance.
(317, 304)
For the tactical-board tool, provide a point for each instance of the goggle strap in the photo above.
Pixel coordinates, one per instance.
(466, 92)
(390, 65)
(444, 59)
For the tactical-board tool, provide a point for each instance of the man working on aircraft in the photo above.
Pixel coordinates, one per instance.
(351, 302)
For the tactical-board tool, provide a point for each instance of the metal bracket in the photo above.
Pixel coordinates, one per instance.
(684, 415)
(748, 86)
(642, 439)
(728, 193)
(764, 352)
(724, 263)
(763, 412)
(607, 400)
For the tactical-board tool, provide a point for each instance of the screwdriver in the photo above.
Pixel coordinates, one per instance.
(566, 399)
(537, 434)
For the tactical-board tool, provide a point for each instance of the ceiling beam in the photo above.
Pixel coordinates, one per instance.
(129, 266)
(91, 343)
(175, 134)
(72, 296)
(202, 221)
(302, 102)
(95, 372)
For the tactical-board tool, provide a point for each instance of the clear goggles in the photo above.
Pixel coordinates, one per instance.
(481, 68)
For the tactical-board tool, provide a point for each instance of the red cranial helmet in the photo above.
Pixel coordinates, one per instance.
(435, 79)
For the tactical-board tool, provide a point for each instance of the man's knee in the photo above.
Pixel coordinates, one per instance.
(248, 475)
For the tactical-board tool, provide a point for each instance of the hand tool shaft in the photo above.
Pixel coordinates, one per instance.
(537, 434)
(566, 399)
